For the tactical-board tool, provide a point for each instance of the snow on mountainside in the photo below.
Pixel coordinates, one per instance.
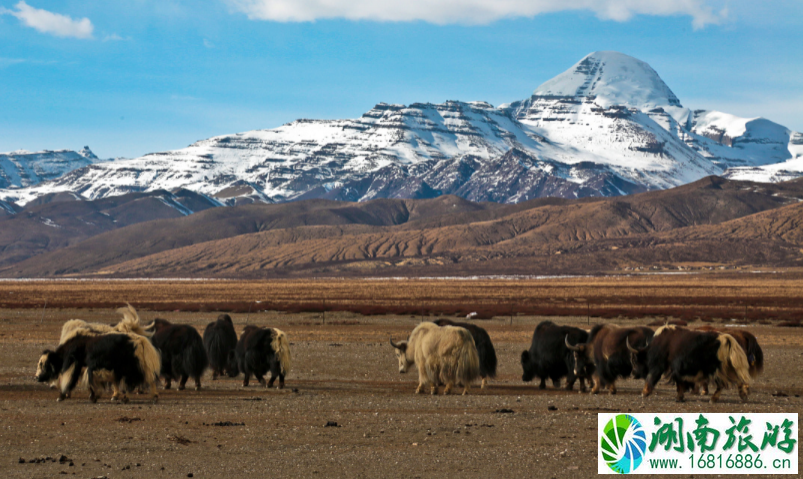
(607, 126)
(22, 168)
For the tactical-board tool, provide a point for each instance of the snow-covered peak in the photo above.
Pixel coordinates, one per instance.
(21, 168)
(612, 78)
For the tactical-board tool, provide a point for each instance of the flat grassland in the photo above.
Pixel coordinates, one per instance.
(744, 296)
(344, 371)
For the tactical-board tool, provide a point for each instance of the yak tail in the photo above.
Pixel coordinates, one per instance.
(467, 368)
(281, 346)
(150, 362)
(130, 322)
(733, 361)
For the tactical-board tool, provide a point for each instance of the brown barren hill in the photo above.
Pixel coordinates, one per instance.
(446, 235)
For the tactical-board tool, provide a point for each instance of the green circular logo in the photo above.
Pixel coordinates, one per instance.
(623, 443)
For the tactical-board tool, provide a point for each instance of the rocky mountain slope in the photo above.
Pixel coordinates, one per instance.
(712, 221)
(59, 220)
(19, 169)
(608, 126)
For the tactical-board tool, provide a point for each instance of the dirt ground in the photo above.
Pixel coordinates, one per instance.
(345, 372)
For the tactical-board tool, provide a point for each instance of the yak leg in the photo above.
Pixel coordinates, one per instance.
(543, 384)
(612, 388)
(649, 385)
(214, 374)
(433, 389)
(168, 382)
(597, 384)
(703, 386)
(570, 382)
(556, 383)
(681, 389)
(197, 380)
(183, 382)
(744, 389)
(423, 378)
(152, 385)
(246, 378)
(118, 393)
(276, 372)
(718, 392)
(484, 384)
(261, 379)
(448, 389)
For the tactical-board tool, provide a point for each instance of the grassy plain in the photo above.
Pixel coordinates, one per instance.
(743, 296)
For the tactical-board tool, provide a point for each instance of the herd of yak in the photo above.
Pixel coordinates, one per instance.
(129, 356)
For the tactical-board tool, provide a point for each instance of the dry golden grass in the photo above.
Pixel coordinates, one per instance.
(704, 296)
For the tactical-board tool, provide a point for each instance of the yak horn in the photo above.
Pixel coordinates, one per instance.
(629, 347)
(573, 348)
(393, 344)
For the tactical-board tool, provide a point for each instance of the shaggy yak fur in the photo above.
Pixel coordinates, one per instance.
(126, 361)
(749, 343)
(549, 357)
(182, 350)
(485, 348)
(129, 324)
(690, 357)
(444, 356)
(220, 339)
(606, 353)
(260, 350)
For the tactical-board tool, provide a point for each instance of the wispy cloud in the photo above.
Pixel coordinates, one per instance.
(51, 23)
(208, 44)
(702, 12)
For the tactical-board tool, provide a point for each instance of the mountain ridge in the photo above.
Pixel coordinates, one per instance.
(445, 234)
(607, 126)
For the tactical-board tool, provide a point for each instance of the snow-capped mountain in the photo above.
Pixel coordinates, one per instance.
(607, 126)
(19, 169)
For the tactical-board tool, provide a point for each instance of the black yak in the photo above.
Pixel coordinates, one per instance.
(259, 351)
(125, 359)
(220, 339)
(549, 357)
(690, 357)
(485, 348)
(606, 352)
(444, 356)
(183, 353)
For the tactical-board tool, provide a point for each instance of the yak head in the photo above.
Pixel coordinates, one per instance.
(157, 325)
(582, 354)
(527, 366)
(400, 349)
(48, 367)
(638, 359)
(232, 369)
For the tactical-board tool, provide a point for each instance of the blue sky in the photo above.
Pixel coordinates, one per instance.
(128, 78)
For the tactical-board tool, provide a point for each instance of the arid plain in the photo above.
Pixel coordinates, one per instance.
(344, 372)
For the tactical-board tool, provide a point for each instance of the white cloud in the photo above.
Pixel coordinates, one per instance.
(208, 44)
(49, 22)
(471, 11)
